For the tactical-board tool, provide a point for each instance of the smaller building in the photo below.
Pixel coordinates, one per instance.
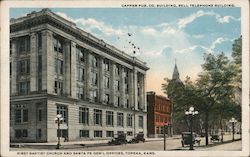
(159, 114)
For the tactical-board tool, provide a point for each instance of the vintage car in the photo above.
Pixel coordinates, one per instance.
(215, 138)
(139, 137)
(186, 139)
(118, 139)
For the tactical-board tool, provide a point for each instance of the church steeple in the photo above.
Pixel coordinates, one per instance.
(176, 75)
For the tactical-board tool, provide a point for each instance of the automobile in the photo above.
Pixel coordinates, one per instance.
(215, 138)
(186, 138)
(139, 137)
(118, 139)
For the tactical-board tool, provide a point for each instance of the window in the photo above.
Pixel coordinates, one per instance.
(106, 99)
(94, 78)
(127, 103)
(117, 85)
(24, 66)
(110, 134)
(24, 88)
(109, 118)
(39, 40)
(39, 84)
(39, 133)
(80, 73)
(117, 69)
(58, 47)
(120, 132)
(94, 62)
(130, 133)
(20, 133)
(117, 101)
(24, 44)
(83, 115)
(126, 89)
(40, 115)
(11, 47)
(97, 133)
(58, 66)
(93, 95)
(97, 117)
(106, 64)
(141, 121)
(21, 115)
(63, 110)
(106, 82)
(80, 54)
(10, 69)
(129, 120)
(58, 87)
(80, 94)
(40, 63)
(84, 133)
(119, 119)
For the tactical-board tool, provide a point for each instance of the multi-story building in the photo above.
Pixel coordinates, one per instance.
(159, 114)
(57, 68)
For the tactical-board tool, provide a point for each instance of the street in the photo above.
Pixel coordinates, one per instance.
(172, 144)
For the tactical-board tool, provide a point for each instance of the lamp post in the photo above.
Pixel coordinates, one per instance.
(58, 120)
(233, 121)
(191, 113)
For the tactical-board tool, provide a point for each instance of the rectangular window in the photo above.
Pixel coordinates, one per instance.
(117, 101)
(94, 78)
(58, 66)
(39, 84)
(109, 118)
(40, 115)
(106, 64)
(117, 85)
(117, 69)
(80, 73)
(80, 94)
(83, 115)
(141, 121)
(106, 99)
(24, 66)
(94, 62)
(39, 133)
(62, 110)
(58, 47)
(24, 88)
(18, 116)
(84, 133)
(40, 63)
(97, 133)
(10, 69)
(120, 132)
(129, 120)
(106, 81)
(80, 54)
(39, 40)
(24, 44)
(127, 103)
(109, 133)
(58, 87)
(97, 117)
(119, 119)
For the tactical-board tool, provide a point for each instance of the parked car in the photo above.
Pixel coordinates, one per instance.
(118, 139)
(215, 138)
(139, 137)
(186, 139)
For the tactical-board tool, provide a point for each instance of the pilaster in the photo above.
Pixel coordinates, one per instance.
(112, 83)
(14, 68)
(100, 79)
(88, 75)
(67, 68)
(33, 62)
(72, 83)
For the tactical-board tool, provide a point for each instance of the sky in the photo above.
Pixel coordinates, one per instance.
(159, 36)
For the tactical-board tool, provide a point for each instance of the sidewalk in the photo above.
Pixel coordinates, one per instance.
(78, 144)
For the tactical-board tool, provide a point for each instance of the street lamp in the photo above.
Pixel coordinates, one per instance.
(58, 120)
(233, 121)
(191, 113)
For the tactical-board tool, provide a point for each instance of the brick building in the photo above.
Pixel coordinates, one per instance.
(159, 114)
(57, 68)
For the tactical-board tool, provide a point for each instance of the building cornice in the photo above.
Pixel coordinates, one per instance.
(47, 17)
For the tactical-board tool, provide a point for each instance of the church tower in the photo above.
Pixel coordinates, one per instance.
(176, 75)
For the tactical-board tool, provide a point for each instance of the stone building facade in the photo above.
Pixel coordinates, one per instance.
(57, 68)
(159, 114)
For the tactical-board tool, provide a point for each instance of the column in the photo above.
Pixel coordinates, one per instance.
(122, 91)
(14, 69)
(135, 88)
(131, 89)
(112, 83)
(48, 69)
(73, 70)
(88, 75)
(101, 80)
(67, 68)
(141, 92)
(33, 62)
(144, 102)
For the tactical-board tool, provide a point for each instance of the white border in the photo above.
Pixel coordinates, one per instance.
(4, 60)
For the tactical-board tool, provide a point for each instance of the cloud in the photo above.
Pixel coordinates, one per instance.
(219, 41)
(221, 19)
(150, 31)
